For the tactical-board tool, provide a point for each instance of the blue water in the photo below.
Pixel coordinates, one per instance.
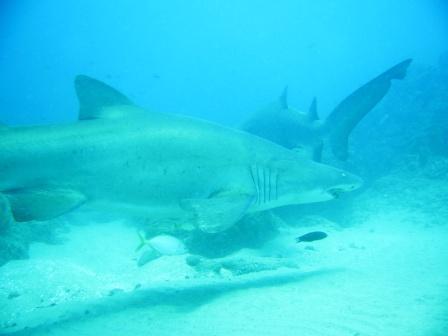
(382, 268)
(215, 60)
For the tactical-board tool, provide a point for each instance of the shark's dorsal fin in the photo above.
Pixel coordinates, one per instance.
(312, 112)
(95, 97)
(283, 99)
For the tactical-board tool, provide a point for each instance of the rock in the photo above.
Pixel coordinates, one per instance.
(240, 265)
(13, 295)
(15, 242)
(192, 260)
(115, 291)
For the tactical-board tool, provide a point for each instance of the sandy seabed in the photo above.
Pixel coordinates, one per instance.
(387, 274)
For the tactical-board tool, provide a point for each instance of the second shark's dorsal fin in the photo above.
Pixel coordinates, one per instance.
(283, 99)
(312, 112)
(95, 96)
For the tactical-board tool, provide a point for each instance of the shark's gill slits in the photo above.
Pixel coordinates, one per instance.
(269, 185)
(265, 184)
(276, 186)
(254, 180)
(260, 187)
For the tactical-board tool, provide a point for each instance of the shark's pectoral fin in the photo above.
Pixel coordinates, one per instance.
(43, 203)
(219, 212)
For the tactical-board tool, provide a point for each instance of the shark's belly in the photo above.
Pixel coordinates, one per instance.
(124, 175)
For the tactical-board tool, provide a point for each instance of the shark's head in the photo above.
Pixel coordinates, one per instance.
(306, 181)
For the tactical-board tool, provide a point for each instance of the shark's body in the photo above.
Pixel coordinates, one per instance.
(304, 131)
(167, 167)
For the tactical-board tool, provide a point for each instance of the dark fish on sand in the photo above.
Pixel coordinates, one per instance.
(312, 236)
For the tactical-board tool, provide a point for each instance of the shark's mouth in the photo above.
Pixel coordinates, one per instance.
(335, 192)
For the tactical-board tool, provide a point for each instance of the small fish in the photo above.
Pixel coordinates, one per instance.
(163, 244)
(312, 236)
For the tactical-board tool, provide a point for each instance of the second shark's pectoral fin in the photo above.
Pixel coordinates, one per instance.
(219, 212)
(43, 203)
(97, 98)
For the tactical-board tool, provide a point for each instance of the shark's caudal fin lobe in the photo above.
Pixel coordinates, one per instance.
(283, 99)
(312, 112)
(94, 96)
(42, 203)
(400, 70)
(349, 112)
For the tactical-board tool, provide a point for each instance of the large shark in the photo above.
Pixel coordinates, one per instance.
(294, 129)
(120, 157)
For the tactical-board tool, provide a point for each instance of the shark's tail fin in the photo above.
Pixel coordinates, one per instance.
(398, 71)
(352, 109)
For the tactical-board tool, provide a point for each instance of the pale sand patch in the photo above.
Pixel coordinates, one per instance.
(394, 282)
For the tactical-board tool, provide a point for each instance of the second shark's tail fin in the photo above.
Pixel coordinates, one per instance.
(349, 112)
